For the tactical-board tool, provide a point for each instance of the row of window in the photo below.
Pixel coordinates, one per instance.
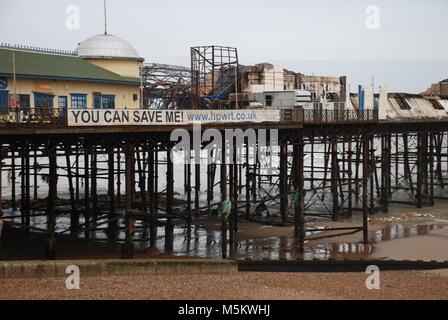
(45, 101)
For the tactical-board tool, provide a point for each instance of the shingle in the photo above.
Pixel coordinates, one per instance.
(55, 66)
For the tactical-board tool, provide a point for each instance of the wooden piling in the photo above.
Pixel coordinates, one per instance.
(74, 215)
(169, 226)
(127, 250)
(299, 213)
(283, 181)
(334, 176)
(365, 175)
(50, 250)
(113, 222)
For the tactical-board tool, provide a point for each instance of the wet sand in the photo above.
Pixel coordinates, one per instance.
(404, 233)
(433, 246)
(283, 286)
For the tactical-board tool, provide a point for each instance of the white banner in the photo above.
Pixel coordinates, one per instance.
(130, 117)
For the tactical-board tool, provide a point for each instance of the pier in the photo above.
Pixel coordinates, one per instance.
(330, 165)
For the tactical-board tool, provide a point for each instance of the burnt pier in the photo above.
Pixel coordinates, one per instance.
(121, 181)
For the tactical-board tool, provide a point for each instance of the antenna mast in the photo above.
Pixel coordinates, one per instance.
(105, 17)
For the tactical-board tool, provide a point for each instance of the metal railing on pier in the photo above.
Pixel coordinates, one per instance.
(316, 116)
(39, 118)
(57, 118)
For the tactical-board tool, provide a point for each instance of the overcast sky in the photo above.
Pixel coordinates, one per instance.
(407, 50)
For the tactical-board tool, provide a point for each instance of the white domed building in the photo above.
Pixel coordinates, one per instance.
(103, 73)
(112, 53)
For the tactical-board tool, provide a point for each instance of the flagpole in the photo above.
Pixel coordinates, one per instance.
(14, 78)
(105, 17)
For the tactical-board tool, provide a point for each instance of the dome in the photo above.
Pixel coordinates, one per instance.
(107, 46)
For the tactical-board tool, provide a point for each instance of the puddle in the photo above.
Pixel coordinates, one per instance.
(400, 231)
(204, 240)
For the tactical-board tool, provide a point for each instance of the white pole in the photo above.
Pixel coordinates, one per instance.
(236, 87)
(141, 86)
(14, 76)
(105, 17)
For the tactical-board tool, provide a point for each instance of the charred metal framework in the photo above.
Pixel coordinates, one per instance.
(213, 71)
(166, 86)
(329, 167)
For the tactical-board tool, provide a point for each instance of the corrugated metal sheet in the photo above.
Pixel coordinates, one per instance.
(407, 106)
(403, 105)
(444, 104)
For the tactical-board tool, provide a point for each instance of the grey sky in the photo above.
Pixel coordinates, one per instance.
(324, 37)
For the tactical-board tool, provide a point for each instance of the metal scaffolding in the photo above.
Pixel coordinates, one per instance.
(166, 86)
(214, 70)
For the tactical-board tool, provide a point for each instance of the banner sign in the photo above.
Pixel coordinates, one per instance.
(129, 117)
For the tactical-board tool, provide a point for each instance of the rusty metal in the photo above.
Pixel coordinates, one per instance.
(166, 86)
(406, 155)
(213, 72)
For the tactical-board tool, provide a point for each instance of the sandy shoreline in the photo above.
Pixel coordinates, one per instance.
(281, 286)
(403, 233)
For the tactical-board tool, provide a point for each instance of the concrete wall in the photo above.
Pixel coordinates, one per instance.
(444, 88)
(267, 77)
(126, 68)
(263, 77)
(321, 86)
(437, 89)
(124, 94)
(37, 269)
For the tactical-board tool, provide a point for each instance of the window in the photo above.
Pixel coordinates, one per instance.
(402, 103)
(97, 100)
(43, 102)
(103, 101)
(268, 101)
(24, 101)
(436, 105)
(135, 97)
(108, 101)
(4, 106)
(62, 104)
(79, 101)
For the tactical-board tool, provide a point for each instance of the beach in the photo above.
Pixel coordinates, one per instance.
(394, 285)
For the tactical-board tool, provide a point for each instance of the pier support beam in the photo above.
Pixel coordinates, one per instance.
(334, 176)
(385, 172)
(431, 168)
(74, 215)
(86, 191)
(283, 181)
(235, 188)
(25, 187)
(350, 177)
(113, 222)
(223, 188)
(93, 177)
(247, 179)
(152, 199)
(197, 183)
(365, 175)
(50, 250)
(127, 250)
(188, 208)
(299, 196)
(13, 177)
(420, 169)
(169, 227)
